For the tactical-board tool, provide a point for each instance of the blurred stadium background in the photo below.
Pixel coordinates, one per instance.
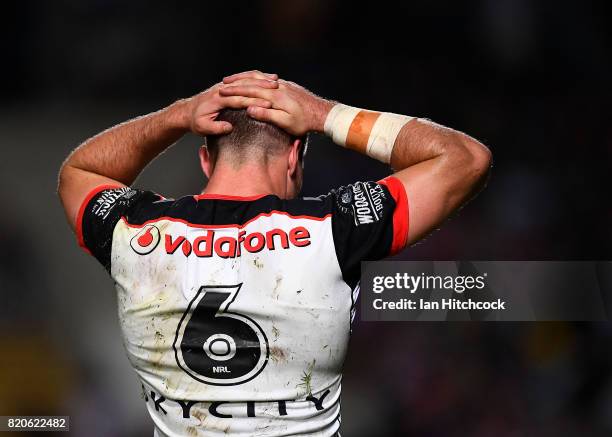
(529, 78)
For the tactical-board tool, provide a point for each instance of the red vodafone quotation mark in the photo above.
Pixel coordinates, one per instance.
(145, 241)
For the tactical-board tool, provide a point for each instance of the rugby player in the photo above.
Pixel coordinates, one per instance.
(235, 304)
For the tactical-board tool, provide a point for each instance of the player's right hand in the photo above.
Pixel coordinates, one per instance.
(202, 109)
(294, 108)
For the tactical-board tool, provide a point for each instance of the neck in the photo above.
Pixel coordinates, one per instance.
(246, 181)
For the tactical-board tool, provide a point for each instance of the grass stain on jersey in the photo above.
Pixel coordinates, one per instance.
(258, 263)
(306, 379)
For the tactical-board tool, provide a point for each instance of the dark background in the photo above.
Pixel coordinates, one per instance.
(531, 79)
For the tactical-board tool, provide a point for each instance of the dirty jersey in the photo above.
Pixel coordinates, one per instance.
(235, 311)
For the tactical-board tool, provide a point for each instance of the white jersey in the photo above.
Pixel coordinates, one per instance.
(236, 312)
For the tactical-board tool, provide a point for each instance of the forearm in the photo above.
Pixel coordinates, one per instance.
(403, 141)
(123, 151)
(118, 155)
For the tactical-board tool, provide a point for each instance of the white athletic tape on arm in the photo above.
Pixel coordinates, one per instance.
(339, 121)
(383, 135)
(380, 139)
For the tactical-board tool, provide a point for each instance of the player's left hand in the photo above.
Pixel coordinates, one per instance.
(203, 108)
(294, 108)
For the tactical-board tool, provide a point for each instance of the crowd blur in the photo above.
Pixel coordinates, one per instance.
(529, 79)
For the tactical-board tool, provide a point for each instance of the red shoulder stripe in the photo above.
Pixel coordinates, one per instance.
(79, 219)
(400, 214)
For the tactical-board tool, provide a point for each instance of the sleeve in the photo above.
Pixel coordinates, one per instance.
(369, 222)
(99, 214)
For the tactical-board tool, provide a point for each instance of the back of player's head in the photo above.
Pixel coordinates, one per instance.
(249, 141)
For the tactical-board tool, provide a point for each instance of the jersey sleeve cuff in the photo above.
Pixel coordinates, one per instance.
(81, 213)
(400, 214)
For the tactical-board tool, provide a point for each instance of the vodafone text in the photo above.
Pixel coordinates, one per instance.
(208, 244)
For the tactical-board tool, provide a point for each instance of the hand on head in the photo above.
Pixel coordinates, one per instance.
(204, 107)
(266, 98)
(293, 108)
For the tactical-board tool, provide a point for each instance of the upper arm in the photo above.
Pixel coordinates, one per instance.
(74, 187)
(430, 203)
(439, 186)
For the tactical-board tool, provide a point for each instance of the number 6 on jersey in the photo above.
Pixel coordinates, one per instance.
(216, 346)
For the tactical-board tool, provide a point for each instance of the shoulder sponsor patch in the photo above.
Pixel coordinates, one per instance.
(108, 199)
(364, 200)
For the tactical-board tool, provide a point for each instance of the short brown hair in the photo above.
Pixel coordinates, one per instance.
(249, 139)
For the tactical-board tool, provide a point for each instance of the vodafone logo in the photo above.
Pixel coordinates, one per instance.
(209, 243)
(145, 241)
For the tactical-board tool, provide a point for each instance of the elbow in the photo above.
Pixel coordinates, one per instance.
(468, 161)
(63, 180)
(482, 159)
(477, 159)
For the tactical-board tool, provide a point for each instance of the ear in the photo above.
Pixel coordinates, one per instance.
(294, 158)
(206, 161)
